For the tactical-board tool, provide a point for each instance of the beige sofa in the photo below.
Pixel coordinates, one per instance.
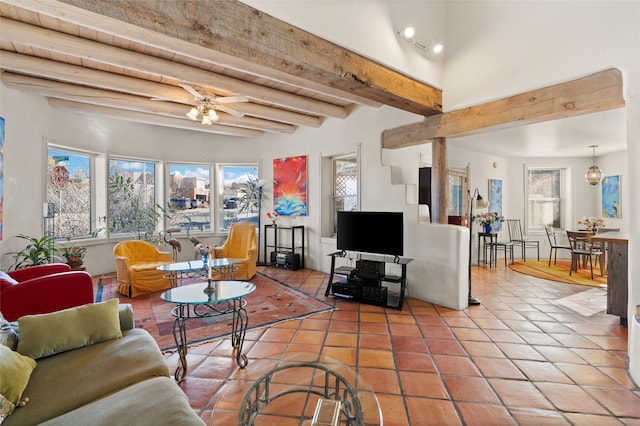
(105, 380)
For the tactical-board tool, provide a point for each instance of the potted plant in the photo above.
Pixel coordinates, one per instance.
(74, 256)
(39, 251)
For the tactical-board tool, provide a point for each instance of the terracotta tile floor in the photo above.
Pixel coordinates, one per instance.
(518, 358)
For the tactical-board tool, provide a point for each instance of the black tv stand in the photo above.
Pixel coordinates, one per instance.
(369, 281)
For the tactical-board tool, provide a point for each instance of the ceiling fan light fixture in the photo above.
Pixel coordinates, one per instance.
(213, 116)
(594, 174)
(193, 114)
(206, 120)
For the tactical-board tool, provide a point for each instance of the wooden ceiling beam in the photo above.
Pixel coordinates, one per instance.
(181, 48)
(68, 73)
(130, 102)
(598, 92)
(142, 117)
(267, 46)
(29, 35)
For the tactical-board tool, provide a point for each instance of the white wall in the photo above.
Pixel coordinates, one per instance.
(496, 49)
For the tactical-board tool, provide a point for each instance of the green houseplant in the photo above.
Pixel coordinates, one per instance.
(131, 210)
(39, 251)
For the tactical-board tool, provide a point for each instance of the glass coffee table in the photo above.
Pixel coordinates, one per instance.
(176, 272)
(286, 390)
(204, 300)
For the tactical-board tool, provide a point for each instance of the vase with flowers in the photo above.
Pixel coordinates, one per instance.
(273, 217)
(490, 221)
(203, 250)
(592, 223)
(74, 256)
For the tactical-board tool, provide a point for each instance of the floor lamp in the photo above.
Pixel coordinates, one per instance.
(260, 184)
(479, 202)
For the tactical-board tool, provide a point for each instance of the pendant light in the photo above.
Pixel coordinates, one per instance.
(594, 174)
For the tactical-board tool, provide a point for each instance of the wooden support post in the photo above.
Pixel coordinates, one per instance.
(439, 181)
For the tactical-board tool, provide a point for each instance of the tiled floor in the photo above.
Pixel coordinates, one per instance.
(518, 358)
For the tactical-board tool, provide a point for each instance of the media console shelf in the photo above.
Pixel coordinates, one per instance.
(374, 279)
(284, 246)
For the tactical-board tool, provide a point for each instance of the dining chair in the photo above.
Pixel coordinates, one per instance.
(496, 245)
(582, 246)
(552, 235)
(517, 238)
(602, 246)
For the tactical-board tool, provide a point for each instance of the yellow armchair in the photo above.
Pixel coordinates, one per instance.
(136, 272)
(240, 244)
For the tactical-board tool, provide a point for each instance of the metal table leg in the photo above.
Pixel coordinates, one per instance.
(180, 337)
(238, 331)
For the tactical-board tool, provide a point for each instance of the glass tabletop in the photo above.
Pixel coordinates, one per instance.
(196, 265)
(195, 294)
(286, 390)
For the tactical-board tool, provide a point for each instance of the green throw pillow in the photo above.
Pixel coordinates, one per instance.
(49, 334)
(15, 370)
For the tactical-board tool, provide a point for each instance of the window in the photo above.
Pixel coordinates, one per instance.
(69, 183)
(189, 196)
(457, 204)
(238, 194)
(544, 198)
(345, 171)
(132, 198)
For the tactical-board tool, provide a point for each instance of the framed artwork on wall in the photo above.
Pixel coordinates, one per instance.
(495, 199)
(290, 186)
(495, 196)
(611, 197)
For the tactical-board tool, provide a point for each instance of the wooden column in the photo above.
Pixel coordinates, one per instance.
(439, 180)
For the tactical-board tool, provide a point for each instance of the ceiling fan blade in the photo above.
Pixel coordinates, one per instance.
(162, 99)
(231, 99)
(191, 90)
(231, 111)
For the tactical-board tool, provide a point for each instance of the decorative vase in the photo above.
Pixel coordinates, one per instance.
(487, 228)
(205, 261)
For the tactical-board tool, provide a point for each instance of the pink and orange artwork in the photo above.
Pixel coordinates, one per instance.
(290, 186)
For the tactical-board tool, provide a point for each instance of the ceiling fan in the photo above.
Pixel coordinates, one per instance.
(205, 106)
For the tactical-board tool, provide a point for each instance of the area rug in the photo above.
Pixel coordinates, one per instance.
(559, 272)
(272, 302)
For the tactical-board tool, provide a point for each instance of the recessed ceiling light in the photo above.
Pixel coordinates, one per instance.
(409, 32)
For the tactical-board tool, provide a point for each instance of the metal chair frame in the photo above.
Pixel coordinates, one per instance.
(552, 233)
(517, 238)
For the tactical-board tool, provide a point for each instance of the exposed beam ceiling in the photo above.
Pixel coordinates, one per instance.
(112, 57)
(595, 93)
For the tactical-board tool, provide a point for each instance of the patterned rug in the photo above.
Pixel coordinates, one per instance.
(560, 272)
(272, 302)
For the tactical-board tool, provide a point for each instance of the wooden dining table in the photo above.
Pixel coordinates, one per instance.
(617, 272)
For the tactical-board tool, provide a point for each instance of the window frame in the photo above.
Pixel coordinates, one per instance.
(220, 194)
(157, 190)
(562, 199)
(167, 199)
(94, 212)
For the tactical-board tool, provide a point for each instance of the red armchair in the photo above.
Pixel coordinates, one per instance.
(43, 289)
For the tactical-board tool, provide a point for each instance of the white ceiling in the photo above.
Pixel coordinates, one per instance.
(570, 137)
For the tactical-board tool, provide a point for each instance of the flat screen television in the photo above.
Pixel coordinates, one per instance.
(371, 232)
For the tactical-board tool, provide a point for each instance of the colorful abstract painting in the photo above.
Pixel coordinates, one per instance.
(495, 199)
(611, 197)
(1, 174)
(290, 186)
